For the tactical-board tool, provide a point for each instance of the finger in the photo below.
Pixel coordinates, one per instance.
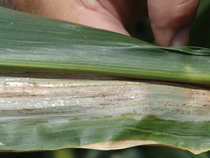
(12, 4)
(171, 20)
(113, 15)
(93, 13)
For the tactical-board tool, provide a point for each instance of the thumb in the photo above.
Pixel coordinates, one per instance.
(171, 20)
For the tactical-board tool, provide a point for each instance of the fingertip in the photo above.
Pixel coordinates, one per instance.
(171, 20)
(181, 38)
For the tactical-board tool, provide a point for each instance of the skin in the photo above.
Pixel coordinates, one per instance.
(171, 20)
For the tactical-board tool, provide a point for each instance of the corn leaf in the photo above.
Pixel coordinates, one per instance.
(32, 43)
(45, 106)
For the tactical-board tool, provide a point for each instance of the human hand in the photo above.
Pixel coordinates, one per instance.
(171, 20)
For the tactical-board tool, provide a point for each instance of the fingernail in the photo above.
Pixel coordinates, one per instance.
(181, 38)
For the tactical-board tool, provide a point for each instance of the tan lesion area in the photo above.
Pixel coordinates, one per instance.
(131, 143)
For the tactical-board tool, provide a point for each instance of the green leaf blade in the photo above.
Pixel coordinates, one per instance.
(168, 114)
